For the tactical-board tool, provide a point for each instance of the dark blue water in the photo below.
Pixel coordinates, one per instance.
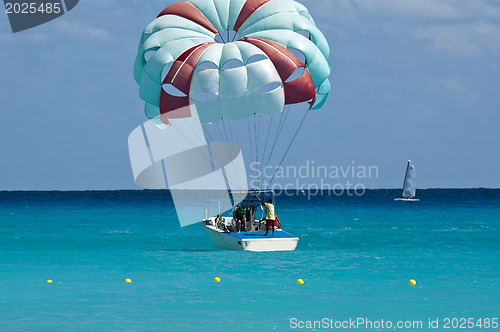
(355, 254)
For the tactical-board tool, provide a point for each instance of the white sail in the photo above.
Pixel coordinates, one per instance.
(410, 182)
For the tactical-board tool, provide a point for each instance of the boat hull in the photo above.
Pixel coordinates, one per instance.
(251, 241)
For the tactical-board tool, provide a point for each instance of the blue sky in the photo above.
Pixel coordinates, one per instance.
(414, 79)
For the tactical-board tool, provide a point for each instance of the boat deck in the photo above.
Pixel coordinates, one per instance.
(260, 235)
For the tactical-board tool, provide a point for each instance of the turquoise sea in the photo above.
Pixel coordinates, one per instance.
(355, 255)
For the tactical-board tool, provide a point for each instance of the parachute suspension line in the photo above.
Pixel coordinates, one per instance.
(216, 155)
(207, 133)
(262, 145)
(192, 128)
(250, 140)
(265, 147)
(230, 125)
(228, 149)
(240, 180)
(257, 128)
(275, 131)
(278, 132)
(244, 144)
(210, 140)
(282, 124)
(234, 126)
(221, 137)
(230, 131)
(288, 148)
(256, 138)
(197, 148)
(232, 180)
(241, 126)
(215, 152)
(225, 130)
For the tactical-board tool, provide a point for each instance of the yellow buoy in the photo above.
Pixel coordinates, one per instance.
(49, 281)
(412, 282)
(128, 280)
(217, 279)
(300, 281)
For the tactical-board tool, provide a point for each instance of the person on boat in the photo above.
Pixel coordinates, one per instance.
(220, 224)
(239, 217)
(249, 217)
(270, 216)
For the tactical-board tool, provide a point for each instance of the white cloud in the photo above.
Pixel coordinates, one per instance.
(407, 9)
(60, 30)
(450, 85)
(472, 39)
(437, 9)
(79, 30)
(456, 27)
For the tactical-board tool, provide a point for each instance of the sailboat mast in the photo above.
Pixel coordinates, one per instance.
(404, 181)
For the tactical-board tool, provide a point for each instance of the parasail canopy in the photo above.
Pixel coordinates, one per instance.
(232, 59)
(236, 67)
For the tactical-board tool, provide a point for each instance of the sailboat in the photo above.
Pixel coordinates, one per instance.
(409, 185)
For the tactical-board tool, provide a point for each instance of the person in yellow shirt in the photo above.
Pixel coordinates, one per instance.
(270, 216)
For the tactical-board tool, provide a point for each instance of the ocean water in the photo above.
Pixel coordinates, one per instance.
(355, 255)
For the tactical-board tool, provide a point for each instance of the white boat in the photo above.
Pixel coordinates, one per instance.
(253, 238)
(251, 241)
(409, 185)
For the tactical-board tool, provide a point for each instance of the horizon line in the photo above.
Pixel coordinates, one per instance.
(290, 189)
